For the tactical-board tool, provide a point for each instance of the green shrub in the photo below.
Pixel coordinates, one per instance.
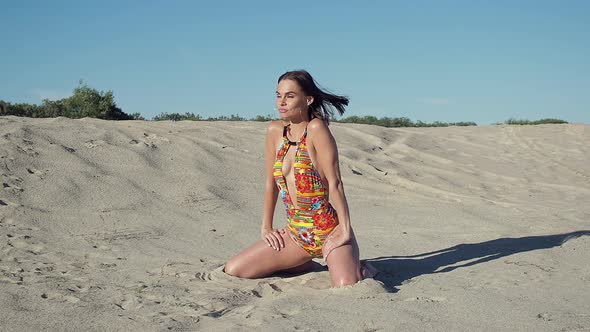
(398, 122)
(263, 118)
(513, 121)
(177, 117)
(137, 116)
(85, 102)
(233, 117)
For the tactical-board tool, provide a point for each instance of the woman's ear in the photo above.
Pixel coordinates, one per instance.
(309, 101)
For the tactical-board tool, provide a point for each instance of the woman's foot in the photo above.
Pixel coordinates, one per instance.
(368, 270)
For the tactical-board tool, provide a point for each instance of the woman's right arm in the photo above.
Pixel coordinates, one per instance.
(272, 238)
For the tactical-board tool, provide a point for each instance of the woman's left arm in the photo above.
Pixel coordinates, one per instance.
(327, 157)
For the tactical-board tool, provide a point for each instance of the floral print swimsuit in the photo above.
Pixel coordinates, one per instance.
(312, 220)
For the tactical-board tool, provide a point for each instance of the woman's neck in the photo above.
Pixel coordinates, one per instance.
(297, 129)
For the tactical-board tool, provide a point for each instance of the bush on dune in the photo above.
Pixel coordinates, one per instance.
(192, 117)
(177, 117)
(513, 121)
(85, 102)
(399, 122)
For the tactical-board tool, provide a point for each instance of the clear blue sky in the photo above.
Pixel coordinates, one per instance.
(481, 61)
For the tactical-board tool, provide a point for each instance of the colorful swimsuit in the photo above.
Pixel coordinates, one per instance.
(312, 220)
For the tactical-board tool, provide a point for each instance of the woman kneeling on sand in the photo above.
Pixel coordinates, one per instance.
(302, 168)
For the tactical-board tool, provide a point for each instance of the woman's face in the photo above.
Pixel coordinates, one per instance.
(292, 103)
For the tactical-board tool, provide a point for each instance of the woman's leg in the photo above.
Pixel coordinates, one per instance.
(260, 260)
(308, 266)
(344, 265)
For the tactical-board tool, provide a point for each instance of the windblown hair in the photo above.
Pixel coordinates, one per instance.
(324, 103)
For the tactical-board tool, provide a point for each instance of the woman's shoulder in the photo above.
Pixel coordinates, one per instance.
(275, 126)
(317, 125)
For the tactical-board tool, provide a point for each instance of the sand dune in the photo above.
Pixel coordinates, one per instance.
(126, 225)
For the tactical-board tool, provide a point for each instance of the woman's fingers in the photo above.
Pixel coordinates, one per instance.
(265, 238)
(281, 241)
(269, 238)
(333, 241)
(327, 251)
(268, 241)
(274, 239)
(326, 247)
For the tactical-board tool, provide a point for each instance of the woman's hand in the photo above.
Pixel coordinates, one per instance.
(338, 237)
(273, 238)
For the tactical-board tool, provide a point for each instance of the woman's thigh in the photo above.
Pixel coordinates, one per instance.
(259, 260)
(344, 265)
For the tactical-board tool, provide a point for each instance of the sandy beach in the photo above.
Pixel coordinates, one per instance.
(125, 226)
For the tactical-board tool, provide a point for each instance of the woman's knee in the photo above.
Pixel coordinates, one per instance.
(232, 267)
(345, 281)
(235, 268)
(345, 275)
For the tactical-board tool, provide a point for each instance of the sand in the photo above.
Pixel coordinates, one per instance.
(119, 226)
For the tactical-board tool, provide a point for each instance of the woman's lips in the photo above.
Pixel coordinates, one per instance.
(283, 110)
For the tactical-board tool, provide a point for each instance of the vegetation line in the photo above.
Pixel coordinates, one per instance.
(89, 102)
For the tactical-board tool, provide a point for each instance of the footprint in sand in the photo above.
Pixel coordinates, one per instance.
(150, 145)
(155, 137)
(93, 143)
(125, 234)
(14, 179)
(129, 302)
(25, 243)
(545, 316)
(174, 321)
(355, 171)
(224, 302)
(289, 309)
(204, 201)
(38, 173)
(11, 273)
(27, 150)
(27, 141)
(6, 221)
(177, 269)
(78, 289)
(150, 140)
(59, 297)
(12, 188)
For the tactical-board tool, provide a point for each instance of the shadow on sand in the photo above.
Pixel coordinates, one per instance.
(394, 270)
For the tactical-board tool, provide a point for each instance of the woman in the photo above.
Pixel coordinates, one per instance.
(302, 168)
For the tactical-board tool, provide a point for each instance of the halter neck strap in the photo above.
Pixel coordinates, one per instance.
(286, 128)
